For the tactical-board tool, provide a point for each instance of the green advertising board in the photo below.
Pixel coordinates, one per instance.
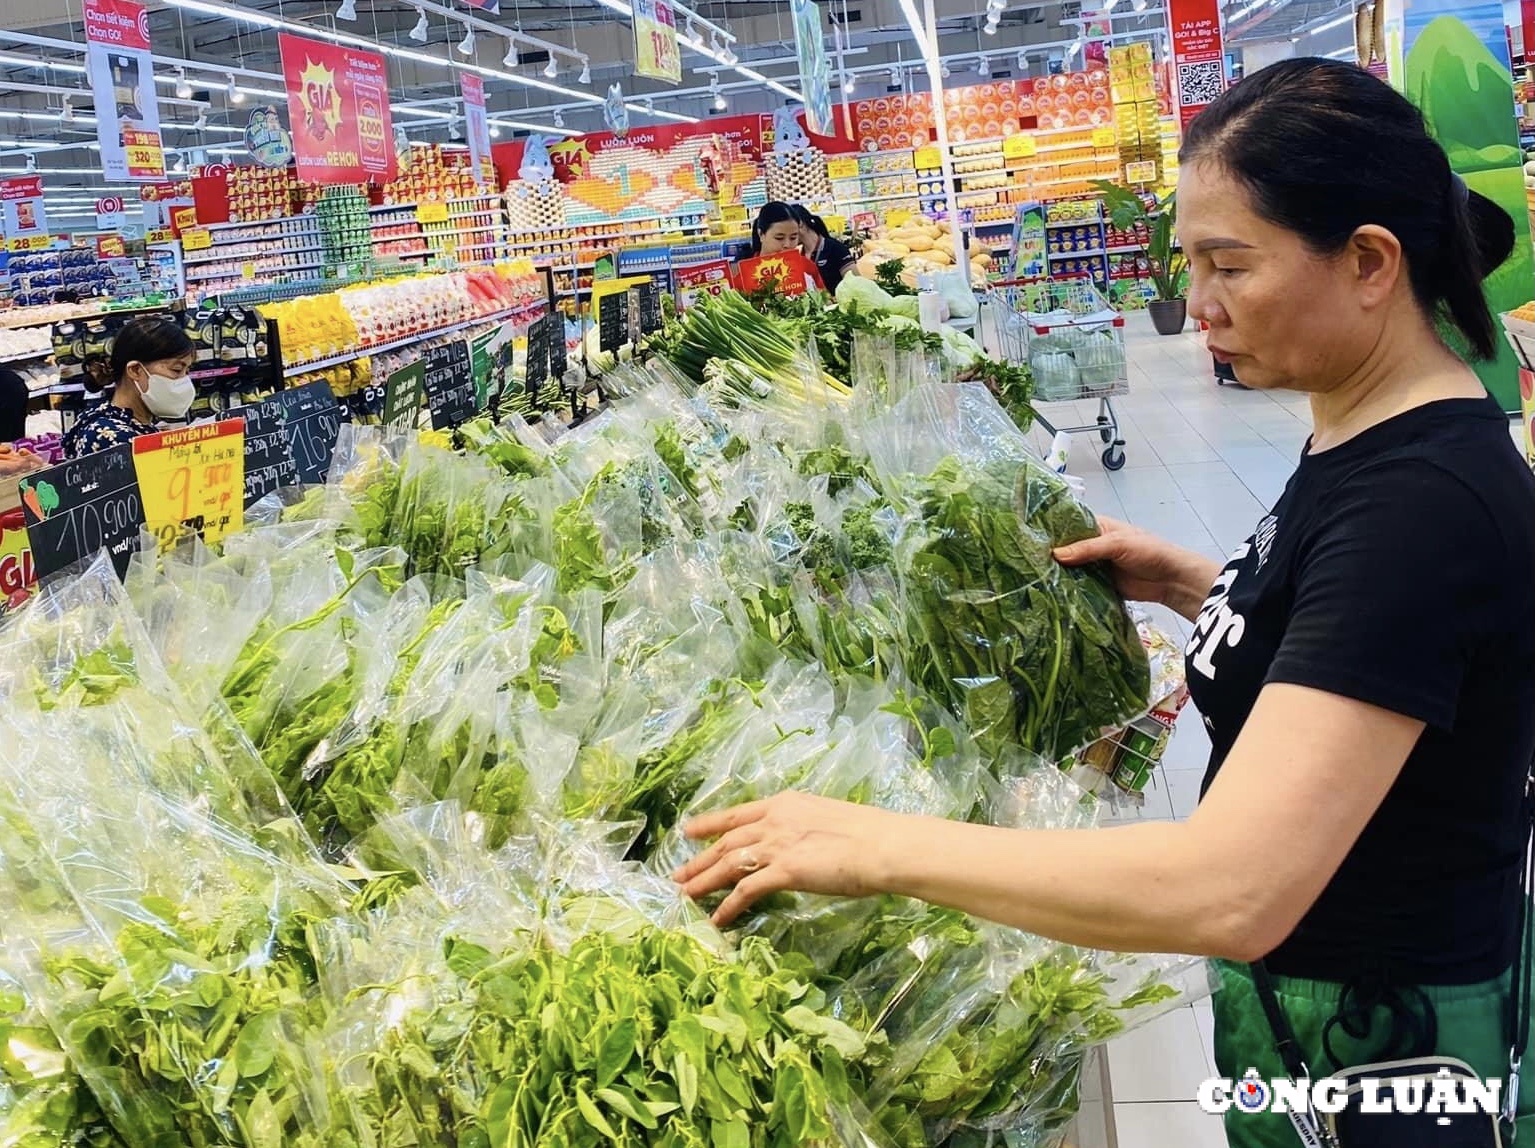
(1454, 65)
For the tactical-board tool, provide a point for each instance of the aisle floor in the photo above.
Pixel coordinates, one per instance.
(1204, 463)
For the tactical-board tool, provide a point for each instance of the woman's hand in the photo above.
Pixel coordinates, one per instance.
(1146, 568)
(793, 841)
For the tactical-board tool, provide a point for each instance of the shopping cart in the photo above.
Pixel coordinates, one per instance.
(1072, 340)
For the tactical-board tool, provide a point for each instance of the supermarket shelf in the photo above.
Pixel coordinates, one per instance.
(890, 198)
(1075, 254)
(217, 255)
(1075, 223)
(310, 223)
(494, 200)
(24, 356)
(1126, 250)
(357, 353)
(988, 223)
(259, 271)
(457, 231)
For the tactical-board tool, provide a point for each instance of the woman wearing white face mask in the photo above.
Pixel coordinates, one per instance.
(151, 359)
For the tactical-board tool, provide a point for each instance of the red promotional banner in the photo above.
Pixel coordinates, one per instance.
(1527, 27)
(21, 187)
(338, 101)
(1199, 61)
(750, 136)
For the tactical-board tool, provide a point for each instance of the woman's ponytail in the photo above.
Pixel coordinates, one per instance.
(1481, 238)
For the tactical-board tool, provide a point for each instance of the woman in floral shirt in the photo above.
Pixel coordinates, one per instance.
(151, 359)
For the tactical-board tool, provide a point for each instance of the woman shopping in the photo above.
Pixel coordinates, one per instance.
(1365, 662)
(150, 361)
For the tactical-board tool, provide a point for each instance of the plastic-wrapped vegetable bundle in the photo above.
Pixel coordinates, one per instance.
(1032, 654)
(608, 1012)
(181, 990)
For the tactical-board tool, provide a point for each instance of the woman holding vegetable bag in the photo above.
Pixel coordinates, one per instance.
(1365, 662)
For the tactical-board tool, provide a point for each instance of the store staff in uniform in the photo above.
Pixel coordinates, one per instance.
(151, 360)
(1364, 662)
(831, 256)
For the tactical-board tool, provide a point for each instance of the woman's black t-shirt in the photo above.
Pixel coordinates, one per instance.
(830, 259)
(1398, 569)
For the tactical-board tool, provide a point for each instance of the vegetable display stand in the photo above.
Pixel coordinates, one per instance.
(1073, 341)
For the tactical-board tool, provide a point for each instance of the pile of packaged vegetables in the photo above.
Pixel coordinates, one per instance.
(357, 830)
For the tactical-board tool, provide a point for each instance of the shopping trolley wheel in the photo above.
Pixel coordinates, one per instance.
(1105, 429)
(1114, 457)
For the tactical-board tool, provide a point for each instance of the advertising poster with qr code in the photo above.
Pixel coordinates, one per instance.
(1199, 58)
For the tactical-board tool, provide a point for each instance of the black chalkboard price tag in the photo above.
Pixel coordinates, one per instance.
(558, 359)
(449, 385)
(538, 354)
(649, 296)
(311, 421)
(77, 508)
(269, 460)
(613, 322)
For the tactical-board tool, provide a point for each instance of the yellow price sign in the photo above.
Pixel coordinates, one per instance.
(29, 243)
(247, 271)
(1145, 172)
(196, 239)
(160, 235)
(927, 159)
(183, 218)
(1103, 136)
(734, 213)
(432, 213)
(192, 479)
(842, 168)
(1019, 146)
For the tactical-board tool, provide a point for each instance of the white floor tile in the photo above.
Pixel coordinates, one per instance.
(1160, 1061)
(1167, 1125)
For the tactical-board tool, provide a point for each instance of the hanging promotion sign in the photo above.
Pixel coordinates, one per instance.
(814, 67)
(21, 202)
(476, 126)
(491, 6)
(1199, 59)
(655, 41)
(615, 113)
(338, 104)
(268, 141)
(110, 213)
(123, 85)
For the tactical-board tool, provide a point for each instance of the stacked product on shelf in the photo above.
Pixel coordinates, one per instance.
(1137, 124)
(344, 231)
(471, 233)
(34, 278)
(1075, 240)
(21, 343)
(431, 175)
(261, 193)
(233, 362)
(799, 177)
(276, 249)
(637, 184)
(396, 234)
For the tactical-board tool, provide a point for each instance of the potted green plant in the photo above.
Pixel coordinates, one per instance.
(1169, 267)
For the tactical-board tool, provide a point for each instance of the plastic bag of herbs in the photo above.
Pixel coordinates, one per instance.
(1031, 654)
(546, 993)
(177, 979)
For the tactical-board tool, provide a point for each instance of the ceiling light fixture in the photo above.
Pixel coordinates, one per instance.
(183, 85)
(720, 103)
(67, 113)
(347, 10)
(495, 131)
(991, 25)
(232, 91)
(454, 131)
(31, 163)
(897, 77)
(1331, 24)
(586, 72)
(849, 83)
(466, 45)
(1138, 5)
(1023, 61)
(201, 121)
(511, 59)
(551, 69)
(944, 71)
(180, 166)
(982, 69)
(650, 105)
(559, 118)
(692, 32)
(714, 43)
(419, 32)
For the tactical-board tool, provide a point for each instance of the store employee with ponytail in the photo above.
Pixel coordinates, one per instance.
(1365, 661)
(151, 360)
